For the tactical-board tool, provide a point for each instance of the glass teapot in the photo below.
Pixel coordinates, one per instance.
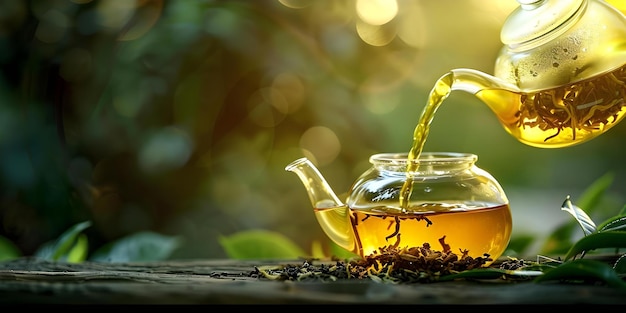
(453, 205)
(560, 78)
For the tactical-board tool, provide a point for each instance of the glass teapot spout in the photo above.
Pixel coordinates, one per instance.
(500, 96)
(320, 193)
(331, 213)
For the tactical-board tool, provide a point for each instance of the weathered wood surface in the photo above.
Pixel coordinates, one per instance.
(30, 281)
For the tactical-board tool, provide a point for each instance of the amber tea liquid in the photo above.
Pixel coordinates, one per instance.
(478, 230)
(562, 116)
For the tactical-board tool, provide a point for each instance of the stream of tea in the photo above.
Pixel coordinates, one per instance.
(438, 94)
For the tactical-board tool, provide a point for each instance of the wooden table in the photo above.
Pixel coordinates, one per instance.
(31, 281)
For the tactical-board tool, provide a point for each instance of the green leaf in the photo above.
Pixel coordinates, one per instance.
(592, 195)
(597, 241)
(60, 248)
(340, 252)
(587, 225)
(8, 250)
(335, 251)
(559, 241)
(583, 269)
(138, 247)
(519, 244)
(78, 252)
(620, 265)
(316, 250)
(260, 244)
(617, 223)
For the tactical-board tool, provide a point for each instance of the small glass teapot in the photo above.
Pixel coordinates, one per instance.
(453, 203)
(560, 78)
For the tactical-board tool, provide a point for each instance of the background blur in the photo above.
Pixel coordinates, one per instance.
(180, 116)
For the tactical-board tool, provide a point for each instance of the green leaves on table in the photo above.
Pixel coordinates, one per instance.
(138, 247)
(8, 250)
(260, 244)
(73, 246)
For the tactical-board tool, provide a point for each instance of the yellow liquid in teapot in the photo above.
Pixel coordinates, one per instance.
(562, 116)
(474, 230)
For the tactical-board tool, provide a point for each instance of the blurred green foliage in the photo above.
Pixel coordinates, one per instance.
(178, 117)
(73, 246)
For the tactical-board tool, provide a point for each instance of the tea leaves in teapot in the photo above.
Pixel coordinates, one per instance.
(588, 106)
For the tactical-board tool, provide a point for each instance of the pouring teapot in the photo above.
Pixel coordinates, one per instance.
(453, 205)
(559, 79)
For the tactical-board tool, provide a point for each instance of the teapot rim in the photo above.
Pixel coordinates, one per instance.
(401, 158)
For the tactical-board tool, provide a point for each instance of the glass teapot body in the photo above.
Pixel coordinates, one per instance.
(453, 203)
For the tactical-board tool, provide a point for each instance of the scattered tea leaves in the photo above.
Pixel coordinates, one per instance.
(388, 264)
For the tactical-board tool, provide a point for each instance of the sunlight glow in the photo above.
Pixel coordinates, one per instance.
(376, 12)
(321, 142)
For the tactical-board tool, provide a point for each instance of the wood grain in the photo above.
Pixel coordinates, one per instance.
(33, 281)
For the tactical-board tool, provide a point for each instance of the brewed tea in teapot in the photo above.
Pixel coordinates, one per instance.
(454, 206)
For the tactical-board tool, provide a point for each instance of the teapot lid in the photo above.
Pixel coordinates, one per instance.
(535, 18)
